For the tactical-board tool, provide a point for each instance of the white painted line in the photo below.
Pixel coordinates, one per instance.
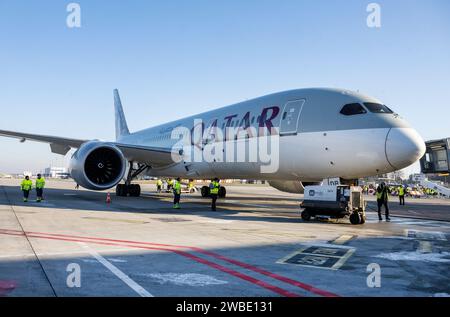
(426, 235)
(244, 204)
(125, 278)
(416, 256)
(343, 259)
(47, 254)
(327, 245)
(183, 279)
(336, 266)
(17, 256)
(343, 239)
(117, 260)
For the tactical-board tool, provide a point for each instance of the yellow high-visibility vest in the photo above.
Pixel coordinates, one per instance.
(401, 191)
(177, 188)
(26, 184)
(379, 194)
(40, 182)
(214, 188)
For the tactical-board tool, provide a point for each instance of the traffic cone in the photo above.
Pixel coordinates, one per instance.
(108, 198)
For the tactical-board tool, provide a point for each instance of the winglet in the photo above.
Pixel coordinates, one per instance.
(121, 122)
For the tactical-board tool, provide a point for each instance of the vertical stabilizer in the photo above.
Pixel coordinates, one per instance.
(121, 122)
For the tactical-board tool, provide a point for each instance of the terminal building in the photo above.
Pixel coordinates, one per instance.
(56, 172)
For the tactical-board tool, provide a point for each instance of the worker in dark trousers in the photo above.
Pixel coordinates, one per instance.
(176, 193)
(159, 184)
(401, 195)
(214, 192)
(382, 200)
(26, 186)
(40, 183)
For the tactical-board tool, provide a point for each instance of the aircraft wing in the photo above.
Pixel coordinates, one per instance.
(143, 154)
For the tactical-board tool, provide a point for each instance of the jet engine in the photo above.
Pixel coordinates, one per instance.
(98, 165)
(294, 187)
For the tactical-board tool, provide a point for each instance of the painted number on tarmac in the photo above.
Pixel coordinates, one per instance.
(319, 257)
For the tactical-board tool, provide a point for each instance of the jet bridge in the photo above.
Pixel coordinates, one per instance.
(437, 157)
(436, 161)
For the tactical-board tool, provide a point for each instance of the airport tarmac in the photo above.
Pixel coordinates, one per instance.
(255, 244)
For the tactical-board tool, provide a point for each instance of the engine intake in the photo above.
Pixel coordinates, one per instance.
(98, 165)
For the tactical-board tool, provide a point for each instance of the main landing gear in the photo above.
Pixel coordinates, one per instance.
(222, 191)
(128, 189)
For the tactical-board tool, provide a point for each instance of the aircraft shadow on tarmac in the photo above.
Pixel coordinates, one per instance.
(157, 204)
(169, 273)
(230, 208)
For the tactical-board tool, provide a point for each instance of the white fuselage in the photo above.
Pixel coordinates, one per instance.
(316, 141)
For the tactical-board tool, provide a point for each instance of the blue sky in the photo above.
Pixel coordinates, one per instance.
(170, 59)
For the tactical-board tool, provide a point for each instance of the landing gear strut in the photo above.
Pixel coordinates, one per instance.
(128, 189)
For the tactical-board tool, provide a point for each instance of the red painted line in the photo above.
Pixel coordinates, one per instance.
(287, 280)
(281, 278)
(216, 266)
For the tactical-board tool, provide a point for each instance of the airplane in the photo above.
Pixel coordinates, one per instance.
(320, 133)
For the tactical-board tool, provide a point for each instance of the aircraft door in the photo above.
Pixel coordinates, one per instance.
(291, 116)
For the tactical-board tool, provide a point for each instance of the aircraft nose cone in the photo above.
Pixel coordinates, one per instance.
(404, 146)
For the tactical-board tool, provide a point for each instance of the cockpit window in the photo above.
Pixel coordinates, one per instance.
(377, 108)
(353, 109)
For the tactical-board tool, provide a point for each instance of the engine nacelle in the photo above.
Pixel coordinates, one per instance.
(294, 187)
(98, 165)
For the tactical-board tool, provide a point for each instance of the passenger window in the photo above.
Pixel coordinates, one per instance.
(377, 107)
(353, 109)
(253, 119)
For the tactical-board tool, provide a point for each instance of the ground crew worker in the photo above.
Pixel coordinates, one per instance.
(176, 193)
(169, 184)
(365, 189)
(191, 186)
(26, 186)
(158, 185)
(40, 183)
(401, 195)
(382, 199)
(214, 192)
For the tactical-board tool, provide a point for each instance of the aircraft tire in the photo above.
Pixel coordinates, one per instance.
(120, 190)
(205, 191)
(355, 219)
(222, 192)
(305, 215)
(134, 190)
(362, 220)
(138, 190)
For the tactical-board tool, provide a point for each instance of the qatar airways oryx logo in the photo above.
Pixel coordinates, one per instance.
(244, 144)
